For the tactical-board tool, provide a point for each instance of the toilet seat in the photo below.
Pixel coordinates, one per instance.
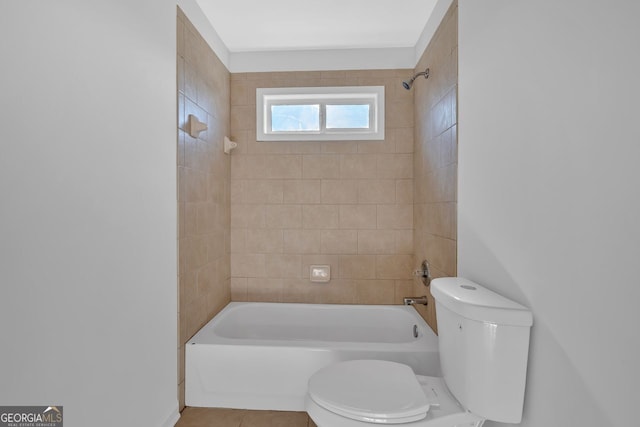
(371, 391)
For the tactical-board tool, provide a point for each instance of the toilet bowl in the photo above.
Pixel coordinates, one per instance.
(365, 392)
(484, 345)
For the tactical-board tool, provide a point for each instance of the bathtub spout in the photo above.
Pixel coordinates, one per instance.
(415, 300)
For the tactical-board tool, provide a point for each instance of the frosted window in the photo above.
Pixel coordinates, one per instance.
(348, 116)
(298, 118)
(320, 113)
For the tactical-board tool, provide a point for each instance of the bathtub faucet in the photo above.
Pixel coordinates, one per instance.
(415, 300)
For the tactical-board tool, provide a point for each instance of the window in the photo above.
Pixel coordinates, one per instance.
(320, 113)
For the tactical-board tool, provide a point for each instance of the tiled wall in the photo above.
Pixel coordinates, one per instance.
(436, 157)
(346, 204)
(203, 187)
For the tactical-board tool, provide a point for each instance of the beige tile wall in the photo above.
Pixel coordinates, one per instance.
(346, 204)
(203, 187)
(436, 158)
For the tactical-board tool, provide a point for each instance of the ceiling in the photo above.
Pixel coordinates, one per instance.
(287, 25)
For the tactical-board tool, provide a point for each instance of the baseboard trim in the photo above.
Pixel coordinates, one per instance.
(173, 418)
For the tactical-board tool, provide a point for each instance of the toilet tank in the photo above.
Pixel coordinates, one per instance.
(484, 346)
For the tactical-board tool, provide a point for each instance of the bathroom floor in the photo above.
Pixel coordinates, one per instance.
(218, 417)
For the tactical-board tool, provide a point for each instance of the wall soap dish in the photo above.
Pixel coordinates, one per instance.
(195, 126)
(229, 145)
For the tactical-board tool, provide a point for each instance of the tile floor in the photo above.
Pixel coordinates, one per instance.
(218, 417)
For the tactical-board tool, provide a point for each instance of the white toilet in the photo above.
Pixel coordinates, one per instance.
(484, 345)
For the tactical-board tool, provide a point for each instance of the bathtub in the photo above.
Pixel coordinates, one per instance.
(261, 355)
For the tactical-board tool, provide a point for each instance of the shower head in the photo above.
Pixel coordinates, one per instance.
(409, 83)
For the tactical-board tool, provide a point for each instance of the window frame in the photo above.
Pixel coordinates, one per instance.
(323, 96)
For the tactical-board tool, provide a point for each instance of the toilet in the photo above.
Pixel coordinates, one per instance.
(484, 345)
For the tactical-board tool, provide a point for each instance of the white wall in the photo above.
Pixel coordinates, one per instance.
(306, 60)
(549, 204)
(88, 209)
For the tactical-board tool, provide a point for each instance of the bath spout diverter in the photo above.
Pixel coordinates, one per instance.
(424, 273)
(415, 300)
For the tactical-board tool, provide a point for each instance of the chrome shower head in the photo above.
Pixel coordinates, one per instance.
(409, 83)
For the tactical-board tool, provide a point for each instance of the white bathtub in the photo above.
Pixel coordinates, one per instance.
(261, 355)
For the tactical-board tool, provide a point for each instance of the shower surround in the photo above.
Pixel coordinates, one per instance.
(436, 158)
(348, 204)
(252, 223)
(203, 187)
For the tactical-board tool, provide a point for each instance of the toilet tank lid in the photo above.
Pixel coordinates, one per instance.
(476, 302)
